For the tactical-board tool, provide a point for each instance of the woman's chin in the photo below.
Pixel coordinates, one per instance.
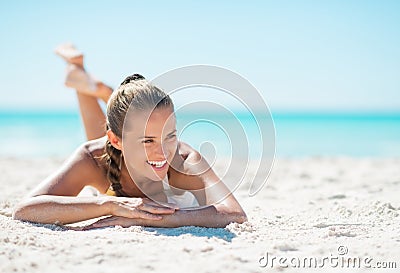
(157, 178)
(158, 174)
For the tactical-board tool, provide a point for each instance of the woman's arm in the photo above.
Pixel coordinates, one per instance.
(50, 209)
(196, 175)
(211, 216)
(55, 200)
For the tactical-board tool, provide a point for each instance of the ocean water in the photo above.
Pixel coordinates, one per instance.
(52, 133)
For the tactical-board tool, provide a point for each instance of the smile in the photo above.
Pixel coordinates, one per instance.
(157, 164)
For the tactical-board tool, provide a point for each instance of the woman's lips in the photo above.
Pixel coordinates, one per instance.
(157, 165)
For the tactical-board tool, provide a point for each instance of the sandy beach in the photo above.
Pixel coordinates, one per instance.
(313, 207)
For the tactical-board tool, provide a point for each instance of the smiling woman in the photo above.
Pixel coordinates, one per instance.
(143, 173)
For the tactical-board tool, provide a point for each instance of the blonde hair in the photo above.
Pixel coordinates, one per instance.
(135, 92)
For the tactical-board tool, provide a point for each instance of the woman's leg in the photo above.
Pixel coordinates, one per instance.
(92, 115)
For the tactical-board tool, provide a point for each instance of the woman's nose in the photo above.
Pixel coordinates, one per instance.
(160, 150)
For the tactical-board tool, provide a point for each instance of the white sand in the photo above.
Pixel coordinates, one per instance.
(309, 208)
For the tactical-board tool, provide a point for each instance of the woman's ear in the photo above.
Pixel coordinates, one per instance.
(114, 140)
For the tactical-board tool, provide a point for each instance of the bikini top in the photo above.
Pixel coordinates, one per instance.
(185, 200)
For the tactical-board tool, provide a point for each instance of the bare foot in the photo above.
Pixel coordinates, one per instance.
(77, 77)
(70, 53)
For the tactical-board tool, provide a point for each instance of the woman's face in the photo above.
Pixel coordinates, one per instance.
(149, 147)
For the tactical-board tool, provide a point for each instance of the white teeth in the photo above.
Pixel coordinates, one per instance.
(158, 164)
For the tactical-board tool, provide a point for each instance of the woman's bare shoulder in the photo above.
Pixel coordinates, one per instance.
(96, 146)
(193, 163)
(186, 168)
(95, 150)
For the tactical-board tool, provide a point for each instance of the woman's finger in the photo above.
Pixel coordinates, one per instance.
(156, 209)
(160, 204)
(105, 224)
(135, 212)
(98, 224)
(149, 216)
(110, 219)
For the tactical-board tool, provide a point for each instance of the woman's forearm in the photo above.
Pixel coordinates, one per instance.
(205, 217)
(50, 209)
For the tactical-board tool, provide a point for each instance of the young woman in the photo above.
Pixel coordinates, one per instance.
(144, 175)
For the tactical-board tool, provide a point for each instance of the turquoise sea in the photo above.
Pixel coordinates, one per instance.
(58, 133)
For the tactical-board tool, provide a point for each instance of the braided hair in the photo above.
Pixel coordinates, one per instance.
(135, 91)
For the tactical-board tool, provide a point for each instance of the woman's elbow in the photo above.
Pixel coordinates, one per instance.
(23, 211)
(240, 218)
(18, 212)
(232, 215)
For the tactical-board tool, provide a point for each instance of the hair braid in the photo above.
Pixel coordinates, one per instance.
(113, 160)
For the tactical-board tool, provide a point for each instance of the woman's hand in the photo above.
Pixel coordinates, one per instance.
(113, 221)
(143, 208)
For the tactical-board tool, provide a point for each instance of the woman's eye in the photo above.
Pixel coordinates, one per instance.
(147, 141)
(171, 136)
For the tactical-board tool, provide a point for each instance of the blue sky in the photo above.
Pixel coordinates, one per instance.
(301, 55)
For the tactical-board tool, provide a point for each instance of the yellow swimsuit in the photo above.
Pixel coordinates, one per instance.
(111, 192)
